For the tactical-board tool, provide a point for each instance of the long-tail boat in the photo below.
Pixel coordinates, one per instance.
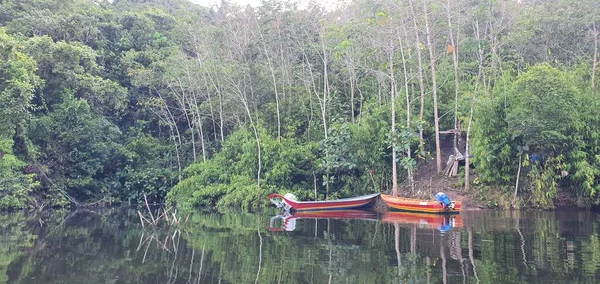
(288, 220)
(442, 204)
(288, 202)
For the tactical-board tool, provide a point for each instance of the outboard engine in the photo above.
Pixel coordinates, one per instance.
(444, 199)
(290, 196)
(282, 204)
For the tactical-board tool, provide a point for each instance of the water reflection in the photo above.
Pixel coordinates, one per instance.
(286, 221)
(110, 246)
(441, 222)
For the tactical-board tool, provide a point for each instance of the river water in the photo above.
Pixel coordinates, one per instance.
(111, 246)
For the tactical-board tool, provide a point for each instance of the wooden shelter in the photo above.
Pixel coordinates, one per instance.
(454, 159)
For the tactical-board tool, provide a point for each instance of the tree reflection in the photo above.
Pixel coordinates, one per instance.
(111, 246)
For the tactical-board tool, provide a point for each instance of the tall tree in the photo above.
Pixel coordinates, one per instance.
(453, 49)
(436, 119)
(418, 47)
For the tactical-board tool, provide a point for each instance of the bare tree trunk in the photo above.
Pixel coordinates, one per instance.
(273, 79)
(479, 75)
(470, 247)
(456, 79)
(595, 63)
(197, 117)
(212, 112)
(411, 180)
(247, 108)
(443, 257)
(322, 100)
(201, 134)
(260, 249)
(436, 119)
(325, 86)
(182, 99)
(352, 82)
(221, 115)
(218, 88)
(256, 136)
(419, 69)
(379, 87)
(205, 74)
(467, 147)
(393, 101)
(397, 247)
(518, 177)
(360, 104)
(176, 138)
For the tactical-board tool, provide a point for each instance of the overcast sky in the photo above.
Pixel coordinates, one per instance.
(210, 3)
(254, 3)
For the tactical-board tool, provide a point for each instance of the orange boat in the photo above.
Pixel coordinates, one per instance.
(442, 205)
(434, 221)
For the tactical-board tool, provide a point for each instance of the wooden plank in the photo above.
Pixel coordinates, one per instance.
(455, 168)
(451, 131)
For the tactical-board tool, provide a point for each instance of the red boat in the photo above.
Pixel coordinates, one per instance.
(287, 202)
(421, 205)
(289, 220)
(433, 221)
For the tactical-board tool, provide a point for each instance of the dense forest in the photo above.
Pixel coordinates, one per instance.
(107, 102)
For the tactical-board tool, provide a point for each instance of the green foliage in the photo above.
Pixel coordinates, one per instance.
(17, 84)
(546, 114)
(402, 141)
(72, 66)
(336, 157)
(228, 180)
(83, 146)
(544, 182)
(542, 109)
(16, 187)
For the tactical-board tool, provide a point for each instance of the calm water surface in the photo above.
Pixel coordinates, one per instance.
(110, 246)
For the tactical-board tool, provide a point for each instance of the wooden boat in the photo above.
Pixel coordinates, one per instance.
(440, 222)
(420, 205)
(288, 221)
(289, 202)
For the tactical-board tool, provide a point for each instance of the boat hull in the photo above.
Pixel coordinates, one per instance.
(338, 204)
(419, 205)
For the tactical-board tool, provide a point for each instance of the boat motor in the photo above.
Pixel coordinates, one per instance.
(444, 199)
(280, 202)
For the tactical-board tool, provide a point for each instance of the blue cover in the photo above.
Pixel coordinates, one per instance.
(443, 198)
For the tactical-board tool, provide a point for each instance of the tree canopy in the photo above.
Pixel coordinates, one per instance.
(111, 101)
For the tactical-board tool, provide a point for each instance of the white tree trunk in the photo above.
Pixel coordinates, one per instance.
(595, 63)
(455, 64)
(419, 69)
(436, 119)
(411, 180)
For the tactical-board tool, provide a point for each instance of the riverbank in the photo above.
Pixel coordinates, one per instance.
(428, 182)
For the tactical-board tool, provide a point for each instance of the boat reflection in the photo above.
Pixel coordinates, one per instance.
(287, 221)
(440, 222)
